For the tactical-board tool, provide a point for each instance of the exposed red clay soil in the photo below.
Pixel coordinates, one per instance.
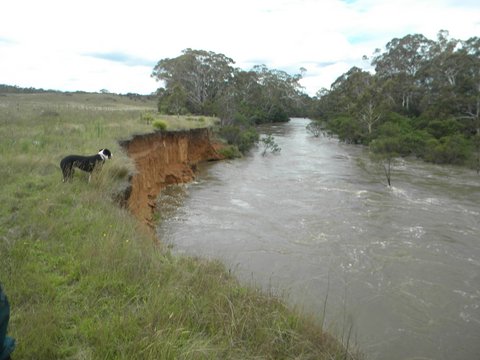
(161, 159)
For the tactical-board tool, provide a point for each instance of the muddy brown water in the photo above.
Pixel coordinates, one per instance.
(317, 225)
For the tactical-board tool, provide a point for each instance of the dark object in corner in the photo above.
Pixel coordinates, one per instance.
(7, 344)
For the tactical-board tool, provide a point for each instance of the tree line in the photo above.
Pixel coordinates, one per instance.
(422, 100)
(11, 89)
(206, 83)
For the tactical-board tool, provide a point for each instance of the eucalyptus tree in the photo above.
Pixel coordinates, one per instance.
(280, 94)
(398, 67)
(439, 77)
(470, 107)
(323, 105)
(355, 105)
(451, 81)
(172, 100)
(347, 88)
(431, 89)
(202, 76)
(246, 94)
(337, 105)
(371, 106)
(208, 83)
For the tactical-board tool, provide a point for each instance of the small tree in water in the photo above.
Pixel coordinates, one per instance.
(396, 139)
(314, 128)
(476, 144)
(269, 144)
(385, 150)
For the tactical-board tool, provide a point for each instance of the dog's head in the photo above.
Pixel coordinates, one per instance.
(105, 154)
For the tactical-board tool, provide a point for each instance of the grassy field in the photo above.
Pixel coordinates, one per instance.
(86, 281)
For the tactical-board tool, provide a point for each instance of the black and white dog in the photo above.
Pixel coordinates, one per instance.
(85, 163)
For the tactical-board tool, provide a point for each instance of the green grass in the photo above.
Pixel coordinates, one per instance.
(86, 281)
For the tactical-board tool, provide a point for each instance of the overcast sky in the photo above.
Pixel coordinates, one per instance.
(91, 45)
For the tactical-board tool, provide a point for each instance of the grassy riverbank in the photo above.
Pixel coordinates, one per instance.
(86, 281)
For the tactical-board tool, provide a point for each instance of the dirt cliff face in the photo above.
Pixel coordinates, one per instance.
(161, 159)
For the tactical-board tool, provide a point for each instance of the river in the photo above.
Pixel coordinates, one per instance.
(317, 225)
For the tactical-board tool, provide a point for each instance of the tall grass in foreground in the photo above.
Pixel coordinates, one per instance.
(85, 281)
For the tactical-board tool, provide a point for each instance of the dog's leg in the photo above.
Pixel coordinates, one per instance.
(67, 173)
(89, 177)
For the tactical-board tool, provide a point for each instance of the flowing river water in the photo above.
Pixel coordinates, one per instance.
(317, 225)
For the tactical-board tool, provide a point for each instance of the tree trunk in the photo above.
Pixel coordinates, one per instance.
(388, 171)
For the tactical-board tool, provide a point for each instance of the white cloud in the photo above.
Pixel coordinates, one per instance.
(67, 45)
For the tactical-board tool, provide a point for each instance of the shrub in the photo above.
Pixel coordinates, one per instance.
(248, 138)
(314, 128)
(347, 129)
(415, 142)
(230, 133)
(230, 152)
(408, 141)
(454, 149)
(277, 114)
(147, 117)
(242, 138)
(269, 144)
(442, 128)
(159, 124)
